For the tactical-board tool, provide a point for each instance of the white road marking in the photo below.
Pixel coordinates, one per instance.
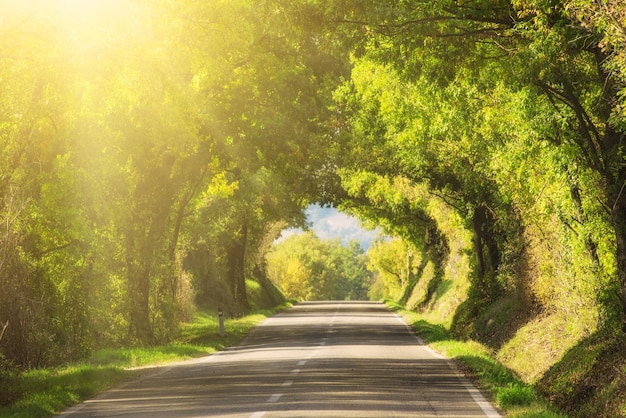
(480, 400)
(274, 398)
(489, 411)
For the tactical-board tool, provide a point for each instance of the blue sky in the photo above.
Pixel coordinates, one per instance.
(329, 223)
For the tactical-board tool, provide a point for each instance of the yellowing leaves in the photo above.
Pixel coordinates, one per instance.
(220, 187)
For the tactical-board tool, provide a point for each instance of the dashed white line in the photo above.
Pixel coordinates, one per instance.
(274, 398)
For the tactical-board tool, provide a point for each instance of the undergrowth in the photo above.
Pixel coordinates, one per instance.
(590, 379)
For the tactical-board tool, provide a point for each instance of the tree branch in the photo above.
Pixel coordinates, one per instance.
(591, 147)
(57, 248)
(4, 328)
(453, 16)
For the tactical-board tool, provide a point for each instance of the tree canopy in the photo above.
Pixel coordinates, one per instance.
(151, 157)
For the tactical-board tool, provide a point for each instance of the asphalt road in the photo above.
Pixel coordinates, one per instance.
(319, 359)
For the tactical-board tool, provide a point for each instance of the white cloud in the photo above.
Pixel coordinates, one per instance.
(329, 223)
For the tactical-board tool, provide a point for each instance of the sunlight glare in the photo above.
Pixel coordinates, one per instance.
(79, 9)
(89, 21)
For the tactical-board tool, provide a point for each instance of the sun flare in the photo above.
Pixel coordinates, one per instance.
(91, 22)
(80, 9)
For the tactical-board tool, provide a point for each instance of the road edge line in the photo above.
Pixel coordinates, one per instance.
(474, 392)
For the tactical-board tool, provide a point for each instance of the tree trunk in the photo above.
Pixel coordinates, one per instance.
(618, 219)
(477, 225)
(236, 267)
(140, 328)
(487, 253)
(138, 275)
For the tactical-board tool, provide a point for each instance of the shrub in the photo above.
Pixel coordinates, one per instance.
(515, 395)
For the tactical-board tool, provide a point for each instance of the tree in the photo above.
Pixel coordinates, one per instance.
(42, 265)
(393, 261)
(307, 268)
(268, 115)
(454, 55)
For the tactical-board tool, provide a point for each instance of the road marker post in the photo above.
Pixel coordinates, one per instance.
(220, 315)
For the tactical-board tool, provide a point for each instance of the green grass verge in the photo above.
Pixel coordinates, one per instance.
(509, 393)
(44, 393)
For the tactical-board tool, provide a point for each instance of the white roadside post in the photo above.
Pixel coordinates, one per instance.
(220, 315)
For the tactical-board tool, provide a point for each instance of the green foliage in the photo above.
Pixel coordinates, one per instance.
(394, 262)
(589, 379)
(148, 157)
(304, 267)
(42, 393)
(262, 294)
(508, 113)
(138, 151)
(515, 394)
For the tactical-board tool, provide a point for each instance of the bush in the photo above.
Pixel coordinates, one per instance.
(515, 395)
(8, 373)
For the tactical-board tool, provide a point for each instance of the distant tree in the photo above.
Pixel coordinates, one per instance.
(391, 260)
(307, 268)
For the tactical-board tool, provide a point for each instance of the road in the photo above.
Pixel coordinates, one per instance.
(318, 359)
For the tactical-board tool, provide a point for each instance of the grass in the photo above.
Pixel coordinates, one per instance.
(44, 393)
(511, 395)
(590, 379)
